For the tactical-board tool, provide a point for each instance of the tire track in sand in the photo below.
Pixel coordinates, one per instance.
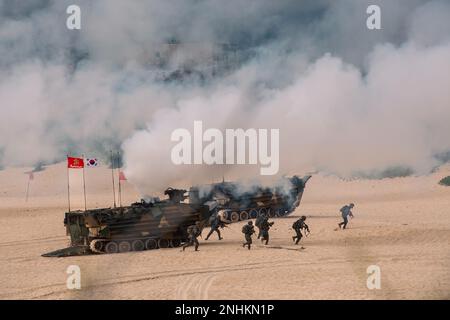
(195, 287)
(60, 288)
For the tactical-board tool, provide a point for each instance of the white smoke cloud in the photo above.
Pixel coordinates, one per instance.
(330, 118)
(345, 99)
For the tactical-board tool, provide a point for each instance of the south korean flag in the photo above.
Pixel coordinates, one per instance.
(92, 162)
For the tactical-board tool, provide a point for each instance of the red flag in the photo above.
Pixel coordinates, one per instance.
(122, 176)
(75, 163)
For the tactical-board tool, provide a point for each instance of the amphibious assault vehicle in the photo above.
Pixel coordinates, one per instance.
(237, 202)
(144, 225)
(156, 224)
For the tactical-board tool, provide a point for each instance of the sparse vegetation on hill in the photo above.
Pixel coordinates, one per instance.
(390, 172)
(445, 181)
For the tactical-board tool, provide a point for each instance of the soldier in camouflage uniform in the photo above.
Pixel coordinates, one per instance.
(216, 223)
(264, 227)
(258, 222)
(298, 226)
(193, 232)
(248, 230)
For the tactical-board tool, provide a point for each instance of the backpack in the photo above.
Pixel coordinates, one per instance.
(247, 229)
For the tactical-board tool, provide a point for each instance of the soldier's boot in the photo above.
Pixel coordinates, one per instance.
(220, 238)
(243, 245)
(196, 248)
(293, 239)
(248, 246)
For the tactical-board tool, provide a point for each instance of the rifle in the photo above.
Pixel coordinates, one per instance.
(199, 233)
(307, 230)
(224, 226)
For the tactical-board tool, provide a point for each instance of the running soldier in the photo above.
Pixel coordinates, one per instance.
(264, 227)
(248, 230)
(258, 222)
(346, 211)
(193, 232)
(298, 226)
(216, 223)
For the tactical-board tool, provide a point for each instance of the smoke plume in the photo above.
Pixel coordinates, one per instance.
(347, 100)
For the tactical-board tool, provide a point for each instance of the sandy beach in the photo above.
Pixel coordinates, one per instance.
(401, 225)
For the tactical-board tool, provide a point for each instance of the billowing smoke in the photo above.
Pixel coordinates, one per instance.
(347, 100)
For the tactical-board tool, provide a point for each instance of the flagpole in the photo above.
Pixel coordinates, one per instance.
(68, 181)
(112, 175)
(84, 186)
(120, 187)
(28, 188)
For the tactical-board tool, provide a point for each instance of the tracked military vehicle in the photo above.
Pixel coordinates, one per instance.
(236, 203)
(144, 225)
